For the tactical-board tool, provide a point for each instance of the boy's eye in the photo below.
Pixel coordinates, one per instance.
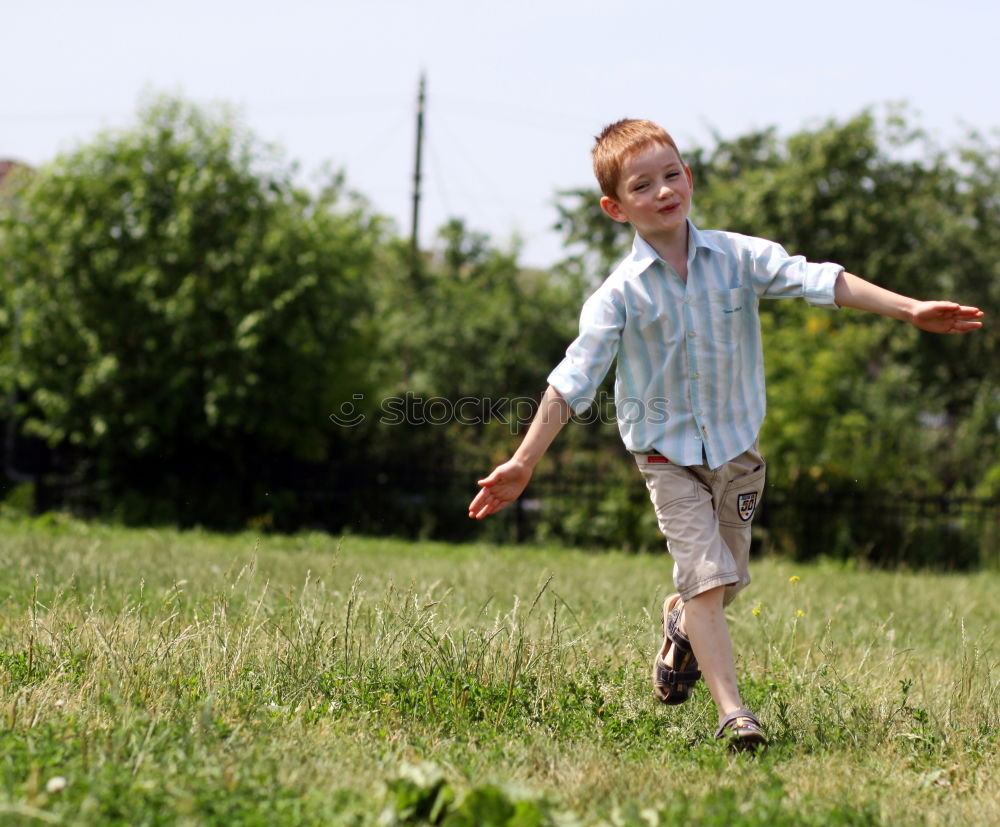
(638, 187)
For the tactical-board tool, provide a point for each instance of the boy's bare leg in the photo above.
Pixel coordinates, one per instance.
(704, 621)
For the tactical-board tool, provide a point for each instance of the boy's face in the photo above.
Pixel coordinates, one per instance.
(654, 194)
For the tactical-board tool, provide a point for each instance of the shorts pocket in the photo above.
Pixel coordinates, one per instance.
(668, 484)
(741, 498)
(665, 493)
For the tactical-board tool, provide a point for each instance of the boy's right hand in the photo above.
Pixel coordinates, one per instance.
(500, 488)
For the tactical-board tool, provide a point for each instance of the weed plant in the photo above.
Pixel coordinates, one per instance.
(159, 677)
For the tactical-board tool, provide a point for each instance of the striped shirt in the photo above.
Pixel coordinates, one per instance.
(689, 382)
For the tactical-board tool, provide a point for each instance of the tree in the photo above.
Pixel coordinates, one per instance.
(486, 326)
(187, 314)
(460, 364)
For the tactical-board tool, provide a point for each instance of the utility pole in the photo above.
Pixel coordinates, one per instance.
(414, 238)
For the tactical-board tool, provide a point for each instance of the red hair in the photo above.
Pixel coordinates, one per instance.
(620, 141)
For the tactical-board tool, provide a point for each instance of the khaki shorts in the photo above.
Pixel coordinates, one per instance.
(705, 516)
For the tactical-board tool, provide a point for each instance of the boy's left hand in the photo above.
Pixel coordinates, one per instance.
(946, 317)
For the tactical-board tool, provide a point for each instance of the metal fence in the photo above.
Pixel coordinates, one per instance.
(944, 531)
(608, 508)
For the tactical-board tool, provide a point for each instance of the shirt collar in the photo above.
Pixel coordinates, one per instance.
(643, 254)
(696, 238)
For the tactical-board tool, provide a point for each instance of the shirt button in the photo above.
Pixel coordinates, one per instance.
(695, 375)
(691, 334)
(698, 412)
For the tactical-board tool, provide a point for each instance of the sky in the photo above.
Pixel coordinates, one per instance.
(516, 90)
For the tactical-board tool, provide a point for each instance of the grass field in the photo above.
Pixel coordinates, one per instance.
(158, 677)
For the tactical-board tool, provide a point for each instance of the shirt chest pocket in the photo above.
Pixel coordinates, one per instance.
(729, 313)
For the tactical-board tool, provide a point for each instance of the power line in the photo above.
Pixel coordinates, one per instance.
(505, 113)
(479, 174)
(437, 170)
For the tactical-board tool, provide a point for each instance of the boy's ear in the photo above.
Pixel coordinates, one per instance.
(613, 209)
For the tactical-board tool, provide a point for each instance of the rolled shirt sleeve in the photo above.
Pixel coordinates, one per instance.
(777, 275)
(590, 355)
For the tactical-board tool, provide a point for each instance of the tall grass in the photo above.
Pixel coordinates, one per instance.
(157, 677)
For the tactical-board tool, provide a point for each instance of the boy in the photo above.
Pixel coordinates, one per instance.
(680, 313)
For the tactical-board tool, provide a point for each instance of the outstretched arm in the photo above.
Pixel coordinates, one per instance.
(508, 480)
(934, 316)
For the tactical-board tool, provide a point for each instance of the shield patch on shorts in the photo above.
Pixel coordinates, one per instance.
(746, 504)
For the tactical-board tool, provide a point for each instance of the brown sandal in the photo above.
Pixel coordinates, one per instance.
(745, 732)
(673, 684)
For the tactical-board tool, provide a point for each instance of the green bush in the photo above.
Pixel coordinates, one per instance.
(183, 315)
